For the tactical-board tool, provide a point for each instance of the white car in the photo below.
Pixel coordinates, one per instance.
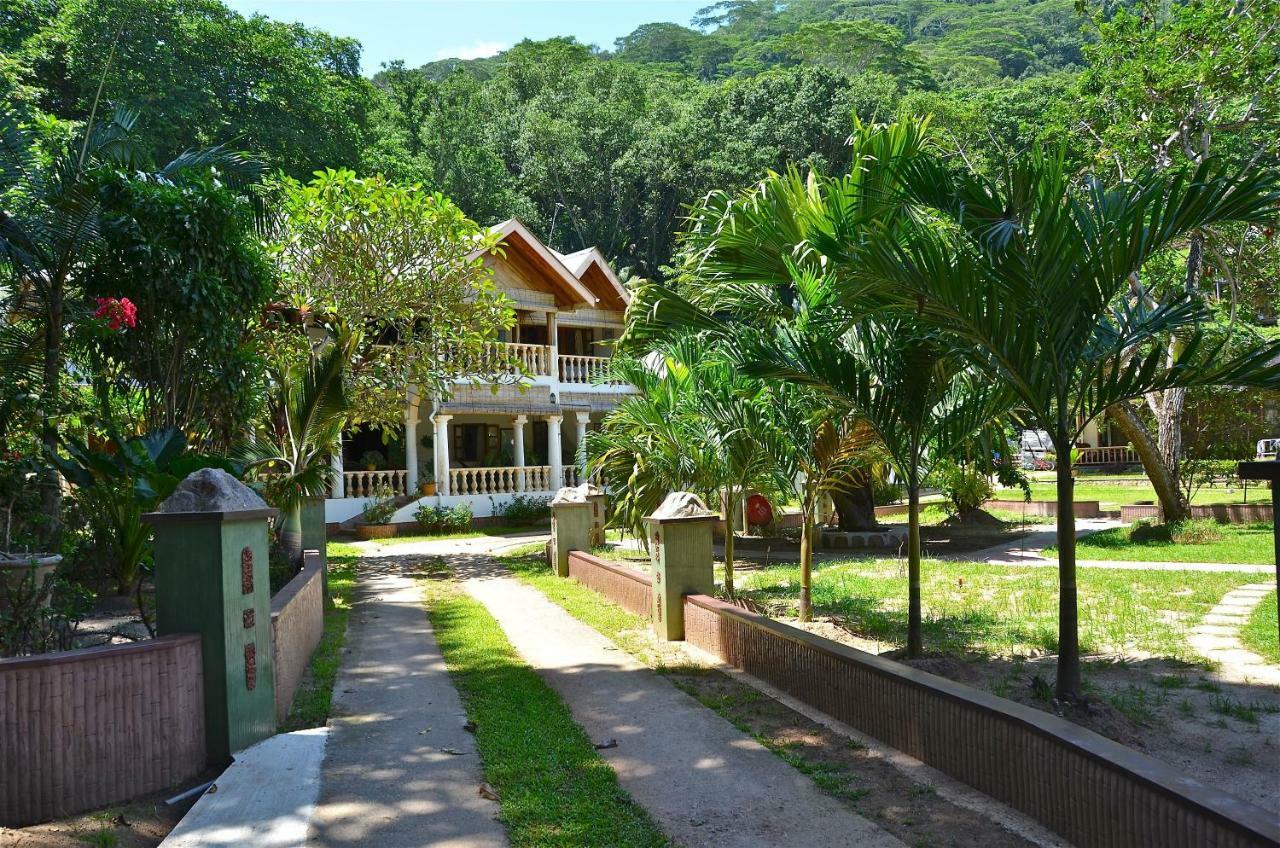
(1268, 448)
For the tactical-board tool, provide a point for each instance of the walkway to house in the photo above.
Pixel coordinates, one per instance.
(705, 782)
(399, 770)
(1218, 637)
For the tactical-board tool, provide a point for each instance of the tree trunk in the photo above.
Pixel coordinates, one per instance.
(291, 534)
(856, 508)
(1163, 479)
(50, 480)
(1068, 684)
(730, 501)
(806, 566)
(915, 638)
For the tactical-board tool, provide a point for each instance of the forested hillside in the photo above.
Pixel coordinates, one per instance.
(607, 144)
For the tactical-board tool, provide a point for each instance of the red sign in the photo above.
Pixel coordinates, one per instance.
(758, 510)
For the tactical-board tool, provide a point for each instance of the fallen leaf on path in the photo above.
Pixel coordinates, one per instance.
(454, 751)
(470, 727)
(608, 743)
(487, 791)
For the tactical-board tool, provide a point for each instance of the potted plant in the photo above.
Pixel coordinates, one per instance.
(372, 460)
(377, 516)
(427, 484)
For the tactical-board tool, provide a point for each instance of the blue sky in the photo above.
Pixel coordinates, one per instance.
(419, 31)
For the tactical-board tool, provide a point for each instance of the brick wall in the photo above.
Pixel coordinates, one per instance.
(630, 589)
(1224, 513)
(1087, 788)
(83, 729)
(297, 623)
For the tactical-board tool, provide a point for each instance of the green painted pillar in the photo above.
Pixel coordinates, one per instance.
(211, 578)
(315, 535)
(570, 527)
(681, 555)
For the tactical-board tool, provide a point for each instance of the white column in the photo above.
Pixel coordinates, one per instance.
(553, 341)
(442, 452)
(411, 444)
(518, 448)
(553, 452)
(583, 419)
(335, 461)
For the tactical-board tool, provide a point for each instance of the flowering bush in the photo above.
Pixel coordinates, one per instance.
(118, 312)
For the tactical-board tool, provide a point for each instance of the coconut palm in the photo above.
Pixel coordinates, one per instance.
(1030, 277)
(305, 417)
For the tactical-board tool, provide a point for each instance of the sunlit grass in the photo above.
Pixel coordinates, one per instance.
(1002, 610)
(1238, 543)
(554, 788)
(1260, 635)
(314, 698)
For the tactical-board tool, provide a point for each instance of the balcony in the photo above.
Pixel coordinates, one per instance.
(536, 361)
(1107, 456)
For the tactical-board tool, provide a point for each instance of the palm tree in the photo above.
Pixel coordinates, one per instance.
(918, 395)
(305, 418)
(819, 447)
(1030, 277)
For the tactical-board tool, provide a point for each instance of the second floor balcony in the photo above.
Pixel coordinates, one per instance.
(536, 360)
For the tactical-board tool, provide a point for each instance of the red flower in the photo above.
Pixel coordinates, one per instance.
(117, 312)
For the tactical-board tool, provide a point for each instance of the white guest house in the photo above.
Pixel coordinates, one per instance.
(486, 444)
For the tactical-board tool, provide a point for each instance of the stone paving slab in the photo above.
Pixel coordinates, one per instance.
(1217, 637)
(400, 770)
(264, 799)
(705, 782)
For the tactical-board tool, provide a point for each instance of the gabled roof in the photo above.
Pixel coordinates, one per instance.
(540, 265)
(590, 266)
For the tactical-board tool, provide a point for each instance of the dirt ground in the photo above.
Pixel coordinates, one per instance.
(142, 823)
(1225, 734)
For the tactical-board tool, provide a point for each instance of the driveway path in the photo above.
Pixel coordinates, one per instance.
(399, 770)
(705, 782)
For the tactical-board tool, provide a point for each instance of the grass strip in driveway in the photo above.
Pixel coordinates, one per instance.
(554, 789)
(1260, 635)
(312, 701)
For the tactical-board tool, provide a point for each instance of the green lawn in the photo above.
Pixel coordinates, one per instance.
(554, 787)
(312, 701)
(1114, 495)
(1001, 610)
(1238, 543)
(1260, 635)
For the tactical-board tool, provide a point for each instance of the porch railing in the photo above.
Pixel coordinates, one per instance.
(365, 484)
(1107, 456)
(502, 480)
(572, 475)
(582, 369)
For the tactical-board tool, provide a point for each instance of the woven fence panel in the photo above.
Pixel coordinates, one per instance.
(83, 729)
(1087, 788)
(630, 589)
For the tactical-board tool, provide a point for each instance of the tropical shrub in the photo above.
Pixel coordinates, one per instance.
(443, 519)
(382, 507)
(964, 487)
(39, 616)
(118, 479)
(372, 460)
(525, 509)
(886, 492)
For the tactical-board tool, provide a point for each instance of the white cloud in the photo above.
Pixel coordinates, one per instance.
(479, 50)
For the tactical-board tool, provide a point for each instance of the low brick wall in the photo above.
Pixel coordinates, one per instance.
(1090, 790)
(630, 589)
(1222, 513)
(1047, 509)
(83, 729)
(297, 623)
